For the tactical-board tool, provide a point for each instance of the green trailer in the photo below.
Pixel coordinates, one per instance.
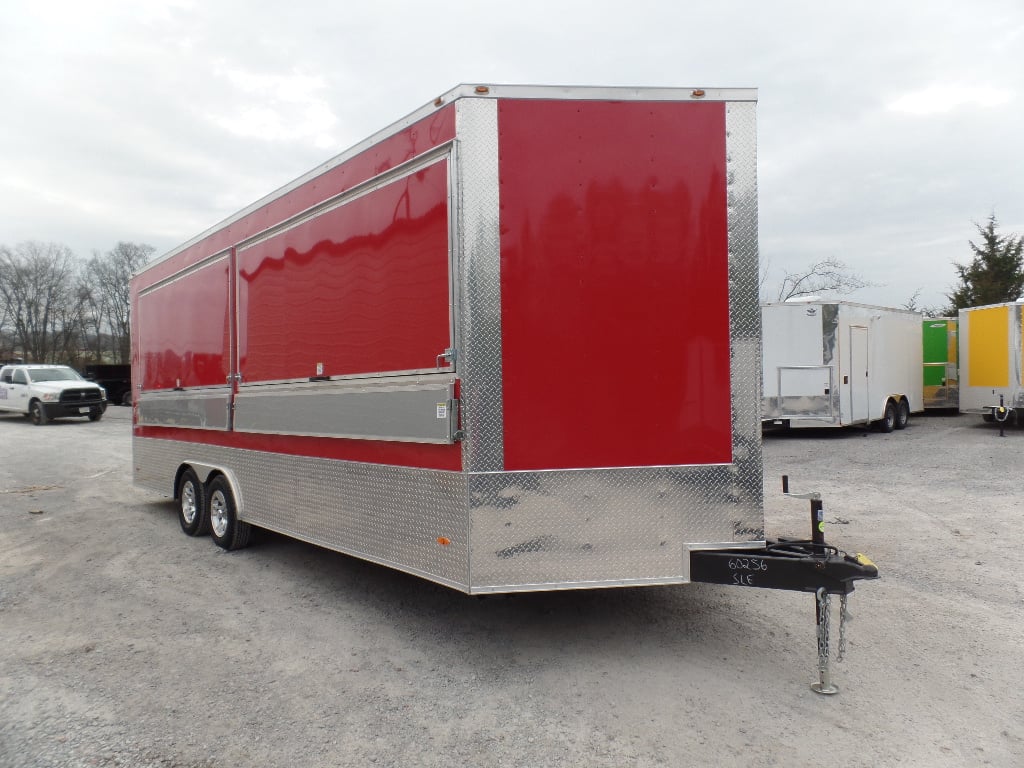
(941, 363)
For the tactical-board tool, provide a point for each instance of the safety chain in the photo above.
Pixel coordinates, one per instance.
(844, 616)
(824, 627)
(825, 620)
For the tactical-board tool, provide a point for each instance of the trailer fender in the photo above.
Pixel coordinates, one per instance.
(206, 472)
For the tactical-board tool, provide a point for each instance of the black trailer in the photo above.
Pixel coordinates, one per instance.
(116, 379)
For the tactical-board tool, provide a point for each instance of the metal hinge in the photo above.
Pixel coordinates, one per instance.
(448, 355)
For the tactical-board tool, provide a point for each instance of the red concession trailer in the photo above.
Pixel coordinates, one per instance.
(509, 343)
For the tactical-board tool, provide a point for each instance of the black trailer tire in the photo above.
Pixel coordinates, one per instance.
(226, 529)
(888, 422)
(126, 398)
(95, 414)
(191, 497)
(902, 414)
(37, 412)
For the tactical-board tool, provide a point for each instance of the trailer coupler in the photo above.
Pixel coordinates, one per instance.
(1001, 414)
(801, 565)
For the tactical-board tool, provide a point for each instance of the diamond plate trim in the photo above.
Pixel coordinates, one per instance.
(478, 268)
(745, 312)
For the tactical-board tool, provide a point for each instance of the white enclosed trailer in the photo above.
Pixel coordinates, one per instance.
(839, 363)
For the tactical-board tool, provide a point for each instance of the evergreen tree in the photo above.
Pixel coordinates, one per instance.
(995, 274)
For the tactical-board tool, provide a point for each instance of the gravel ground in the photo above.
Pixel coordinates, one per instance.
(126, 643)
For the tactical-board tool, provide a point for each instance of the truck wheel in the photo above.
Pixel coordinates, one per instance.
(226, 529)
(95, 414)
(126, 398)
(888, 422)
(902, 414)
(37, 413)
(192, 505)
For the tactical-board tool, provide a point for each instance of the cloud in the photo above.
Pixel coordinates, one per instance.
(942, 99)
(273, 107)
(884, 130)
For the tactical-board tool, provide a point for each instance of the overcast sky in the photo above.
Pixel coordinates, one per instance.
(885, 130)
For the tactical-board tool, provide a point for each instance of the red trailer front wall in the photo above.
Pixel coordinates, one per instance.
(614, 284)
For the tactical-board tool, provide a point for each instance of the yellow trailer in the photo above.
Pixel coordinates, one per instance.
(991, 354)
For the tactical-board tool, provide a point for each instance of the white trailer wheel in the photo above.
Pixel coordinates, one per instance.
(902, 414)
(888, 422)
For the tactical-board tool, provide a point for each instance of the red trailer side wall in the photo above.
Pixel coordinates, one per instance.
(342, 241)
(362, 289)
(184, 330)
(410, 142)
(614, 284)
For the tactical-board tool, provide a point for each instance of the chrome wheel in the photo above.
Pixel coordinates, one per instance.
(189, 505)
(227, 530)
(218, 513)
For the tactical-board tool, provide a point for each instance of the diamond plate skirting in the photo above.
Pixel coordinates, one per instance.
(390, 515)
(506, 531)
(546, 530)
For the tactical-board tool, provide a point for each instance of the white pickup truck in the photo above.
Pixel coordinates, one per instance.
(44, 392)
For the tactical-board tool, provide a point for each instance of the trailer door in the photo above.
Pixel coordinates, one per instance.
(345, 324)
(184, 332)
(860, 377)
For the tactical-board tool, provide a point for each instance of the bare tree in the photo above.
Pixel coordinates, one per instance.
(914, 305)
(6, 346)
(93, 318)
(107, 281)
(37, 282)
(827, 276)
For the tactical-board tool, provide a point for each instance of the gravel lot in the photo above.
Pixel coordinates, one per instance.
(126, 643)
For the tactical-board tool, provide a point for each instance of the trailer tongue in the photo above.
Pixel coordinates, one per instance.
(800, 565)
